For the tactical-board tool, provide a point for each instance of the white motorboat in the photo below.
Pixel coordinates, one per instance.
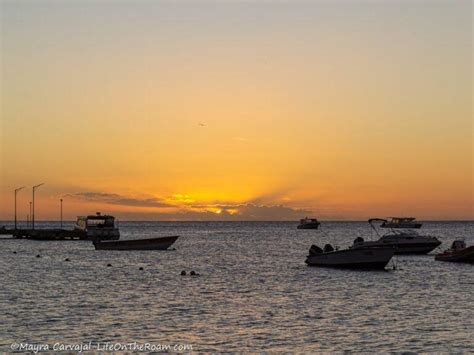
(308, 223)
(373, 258)
(404, 242)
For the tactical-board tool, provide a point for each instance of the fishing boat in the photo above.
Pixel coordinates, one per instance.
(404, 242)
(92, 227)
(308, 223)
(457, 253)
(374, 258)
(401, 222)
(161, 243)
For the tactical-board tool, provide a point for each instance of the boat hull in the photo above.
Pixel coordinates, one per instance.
(405, 249)
(460, 256)
(375, 258)
(309, 226)
(137, 244)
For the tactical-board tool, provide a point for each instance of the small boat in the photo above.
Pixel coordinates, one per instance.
(404, 242)
(401, 222)
(374, 258)
(457, 253)
(162, 243)
(308, 223)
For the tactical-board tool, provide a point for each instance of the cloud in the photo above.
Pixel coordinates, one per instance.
(116, 199)
(225, 212)
(184, 208)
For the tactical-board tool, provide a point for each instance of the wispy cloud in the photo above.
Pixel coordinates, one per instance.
(116, 199)
(182, 207)
(249, 211)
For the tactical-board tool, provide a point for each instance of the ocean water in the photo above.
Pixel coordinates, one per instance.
(254, 292)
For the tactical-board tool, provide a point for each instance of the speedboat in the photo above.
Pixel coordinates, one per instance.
(373, 258)
(400, 222)
(162, 243)
(404, 242)
(309, 223)
(457, 253)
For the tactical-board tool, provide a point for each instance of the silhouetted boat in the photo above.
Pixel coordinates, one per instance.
(457, 253)
(308, 223)
(161, 243)
(98, 226)
(374, 258)
(400, 222)
(404, 242)
(92, 227)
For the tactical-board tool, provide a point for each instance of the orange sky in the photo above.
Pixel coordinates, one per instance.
(248, 110)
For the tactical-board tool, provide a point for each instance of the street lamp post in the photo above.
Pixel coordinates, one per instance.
(30, 216)
(61, 213)
(33, 212)
(16, 190)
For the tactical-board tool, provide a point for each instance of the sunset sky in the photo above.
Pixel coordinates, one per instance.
(239, 110)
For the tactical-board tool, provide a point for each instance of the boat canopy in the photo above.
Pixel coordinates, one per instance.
(377, 220)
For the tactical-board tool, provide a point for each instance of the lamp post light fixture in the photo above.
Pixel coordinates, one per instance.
(33, 212)
(61, 213)
(16, 191)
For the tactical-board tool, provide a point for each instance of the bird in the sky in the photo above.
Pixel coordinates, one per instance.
(201, 124)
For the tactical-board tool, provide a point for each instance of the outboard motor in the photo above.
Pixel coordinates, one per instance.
(314, 250)
(328, 248)
(458, 245)
(358, 240)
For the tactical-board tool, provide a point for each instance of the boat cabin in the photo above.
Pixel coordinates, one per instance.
(98, 226)
(308, 220)
(399, 222)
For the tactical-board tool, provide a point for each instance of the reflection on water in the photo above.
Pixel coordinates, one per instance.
(254, 292)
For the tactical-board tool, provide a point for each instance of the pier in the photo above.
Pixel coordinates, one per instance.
(49, 234)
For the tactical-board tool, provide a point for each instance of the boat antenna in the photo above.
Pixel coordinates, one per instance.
(373, 220)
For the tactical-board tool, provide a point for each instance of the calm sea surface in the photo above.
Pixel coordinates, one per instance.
(254, 292)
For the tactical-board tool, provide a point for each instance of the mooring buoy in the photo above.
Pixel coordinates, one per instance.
(38, 256)
(183, 273)
(108, 265)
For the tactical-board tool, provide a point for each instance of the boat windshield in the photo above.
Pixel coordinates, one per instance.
(105, 222)
(404, 232)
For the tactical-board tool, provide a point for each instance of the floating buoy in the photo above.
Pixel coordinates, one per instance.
(193, 273)
(38, 256)
(109, 265)
(66, 259)
(14, 252)
(140, 268)
(183, 273)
